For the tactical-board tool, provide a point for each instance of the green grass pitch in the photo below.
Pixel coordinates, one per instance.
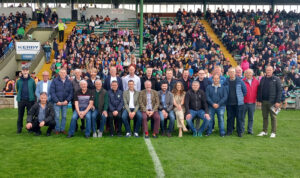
(26, 155)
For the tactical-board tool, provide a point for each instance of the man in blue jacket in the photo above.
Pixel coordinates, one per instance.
(115, 106)
(216, 96)
(235, 103)
(61, 91)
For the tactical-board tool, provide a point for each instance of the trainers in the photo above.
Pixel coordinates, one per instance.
(273, 135)
(199, 134)
(94, 134)
(99, 134)
(194, 134)
(136, 134)
(128, 134)
(262, 134)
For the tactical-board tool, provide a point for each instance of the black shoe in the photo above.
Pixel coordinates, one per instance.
(48, 134)
(240, 135)
(229, 133)
(19, 131)
(147, 136)
(250, 133)
(154, 136)
(87, 136)
(69, 136)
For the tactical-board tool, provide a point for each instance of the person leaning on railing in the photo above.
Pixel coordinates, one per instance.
(8, 90)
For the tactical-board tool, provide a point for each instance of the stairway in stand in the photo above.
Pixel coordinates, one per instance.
(214, 37)
(60, 46)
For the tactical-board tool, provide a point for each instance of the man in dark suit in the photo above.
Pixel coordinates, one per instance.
(113, 77)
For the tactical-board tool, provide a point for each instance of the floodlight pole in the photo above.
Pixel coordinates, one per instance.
(141, 26)
(204, 8)
(273, 6)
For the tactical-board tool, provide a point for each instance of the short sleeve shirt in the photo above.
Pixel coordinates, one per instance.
(83, 98)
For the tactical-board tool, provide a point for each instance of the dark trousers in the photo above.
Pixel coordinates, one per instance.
(82, 127)
(61, 34)
(235, 112)
(21, 110)
(154, 117)
(37, 129)
(118, 119)
(266, 111)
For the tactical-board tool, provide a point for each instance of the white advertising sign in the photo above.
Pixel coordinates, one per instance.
(28, 47)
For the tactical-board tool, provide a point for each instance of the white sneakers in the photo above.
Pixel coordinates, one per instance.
(94, 134)
(273, 135)
(262, 134)
(99, 134)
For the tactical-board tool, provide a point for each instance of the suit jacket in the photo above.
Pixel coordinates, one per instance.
(169, 102)
(143, 100)
(126, 98)
(39, 89)
(106, 84)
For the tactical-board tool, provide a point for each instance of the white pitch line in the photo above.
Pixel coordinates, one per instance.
(157, 165)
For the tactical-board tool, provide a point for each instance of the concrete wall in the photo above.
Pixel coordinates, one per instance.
(6, 102)
(121, 14)
(8, 68)
(13, 10)
(41, 36)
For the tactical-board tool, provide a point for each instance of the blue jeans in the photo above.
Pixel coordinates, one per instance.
(220, 114)
(75, 116)
(200, 115)
(63, 109)
(235, 111)
(138, 118)
(250, 108)
(171, 117)
(48, 54)
(95, 115)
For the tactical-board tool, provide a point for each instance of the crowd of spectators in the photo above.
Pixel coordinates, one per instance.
(11, 27)
(260, 39)
(47, 17)
(181, 44)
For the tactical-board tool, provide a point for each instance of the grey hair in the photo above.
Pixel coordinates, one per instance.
(98, 80)
(82, 81)
(196, 81)
(78, 70)
(249, 70)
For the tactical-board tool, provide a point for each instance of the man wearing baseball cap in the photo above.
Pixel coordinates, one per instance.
(25, 88)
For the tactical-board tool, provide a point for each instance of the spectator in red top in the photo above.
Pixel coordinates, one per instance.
(250, 99)
(245, 64)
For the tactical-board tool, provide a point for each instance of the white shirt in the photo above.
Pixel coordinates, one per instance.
(113, 79)
(45, 87)
(137, 82)
(131, 99)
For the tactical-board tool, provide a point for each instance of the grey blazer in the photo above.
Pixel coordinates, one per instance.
(126, 98)
(168, 100)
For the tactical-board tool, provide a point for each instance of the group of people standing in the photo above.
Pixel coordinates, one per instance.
(116, 101)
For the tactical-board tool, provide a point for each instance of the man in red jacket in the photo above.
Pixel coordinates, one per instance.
(250, 99)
